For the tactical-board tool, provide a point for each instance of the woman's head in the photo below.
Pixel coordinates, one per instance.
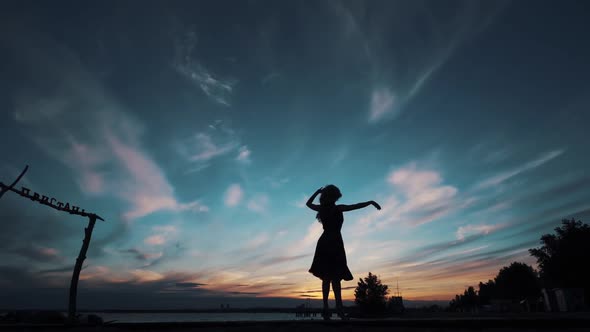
(330, 194)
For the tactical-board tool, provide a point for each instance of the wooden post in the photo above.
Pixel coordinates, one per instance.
(78, 268)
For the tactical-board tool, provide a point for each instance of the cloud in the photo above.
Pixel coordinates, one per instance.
(502, 177)
(270, 77)
(276, 183)
(469, 230)
(425, 198)
(39, 253)
(308, 242)
(142, 256)
(258, 203)
(415, 196)
(162, 234)
(206, 149)
(233, 195)
(382, 104)
(421, 188)
(155, 240)
(146, 275)
(399, 56)
(216, 141)
(300, 203)
(413, 181)
(282, 259)
(146, 188)
(189, 284)
(184, 63)
(35, 233)
(103, 139)
(257, 241)
(101, 288)
(244, 154)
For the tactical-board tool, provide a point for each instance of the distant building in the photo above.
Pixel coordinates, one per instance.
(563, 299)
(396, 302)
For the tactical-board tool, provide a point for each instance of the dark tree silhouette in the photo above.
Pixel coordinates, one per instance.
(486, 292)
(466, 302)
(563, 257)
(516, 282)
(370, 295)
(470, 299)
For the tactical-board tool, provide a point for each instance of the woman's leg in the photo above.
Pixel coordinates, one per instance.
(325, 295)
(325, 292)
(337, 293)
(338, 296)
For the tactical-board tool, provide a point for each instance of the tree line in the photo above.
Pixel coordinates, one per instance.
(561, 261)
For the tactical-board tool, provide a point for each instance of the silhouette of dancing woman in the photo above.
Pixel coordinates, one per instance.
(329, 261)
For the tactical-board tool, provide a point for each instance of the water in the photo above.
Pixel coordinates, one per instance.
(198, 317)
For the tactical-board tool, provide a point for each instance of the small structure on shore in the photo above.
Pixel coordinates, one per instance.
(563, 299)
(396, 302)
(305, 310)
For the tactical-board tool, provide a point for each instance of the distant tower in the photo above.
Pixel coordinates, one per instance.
(396, 302)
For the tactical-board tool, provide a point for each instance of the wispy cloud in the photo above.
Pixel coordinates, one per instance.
(155, 240)
(300, 203)
(104, 140)
(499, 178)
(418, 197)
(469, 230)
(244, 154)
(161, 234)
(216, 141)
(141, 255)
(423, 191)
(306, 244)
(257, 241)
(39, 253)
(258, 203)
(375, 33)
(205, 148)
(187, 65)
(382, 104)
(233, 195)
(276, 183)
(142, 275)
(146, 187)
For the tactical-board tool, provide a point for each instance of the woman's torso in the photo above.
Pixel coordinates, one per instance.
(332, 219)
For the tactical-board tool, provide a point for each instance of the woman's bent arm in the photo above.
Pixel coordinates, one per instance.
(344, 207)
(310, 201)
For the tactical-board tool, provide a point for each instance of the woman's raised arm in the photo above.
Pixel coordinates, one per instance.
(310, 204)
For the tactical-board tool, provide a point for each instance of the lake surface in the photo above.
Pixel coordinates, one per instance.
(198, 317)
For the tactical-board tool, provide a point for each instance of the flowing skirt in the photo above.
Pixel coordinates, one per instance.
(329, 261)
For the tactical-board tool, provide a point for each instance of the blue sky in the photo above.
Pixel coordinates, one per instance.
(198, 130)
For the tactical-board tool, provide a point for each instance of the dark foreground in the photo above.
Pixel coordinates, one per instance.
(573, 322)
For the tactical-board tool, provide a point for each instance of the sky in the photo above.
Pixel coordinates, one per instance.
(198, 129)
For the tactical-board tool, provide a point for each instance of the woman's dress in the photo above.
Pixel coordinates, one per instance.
(329, 261)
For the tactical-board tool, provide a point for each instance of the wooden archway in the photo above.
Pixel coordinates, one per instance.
(65, 207)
